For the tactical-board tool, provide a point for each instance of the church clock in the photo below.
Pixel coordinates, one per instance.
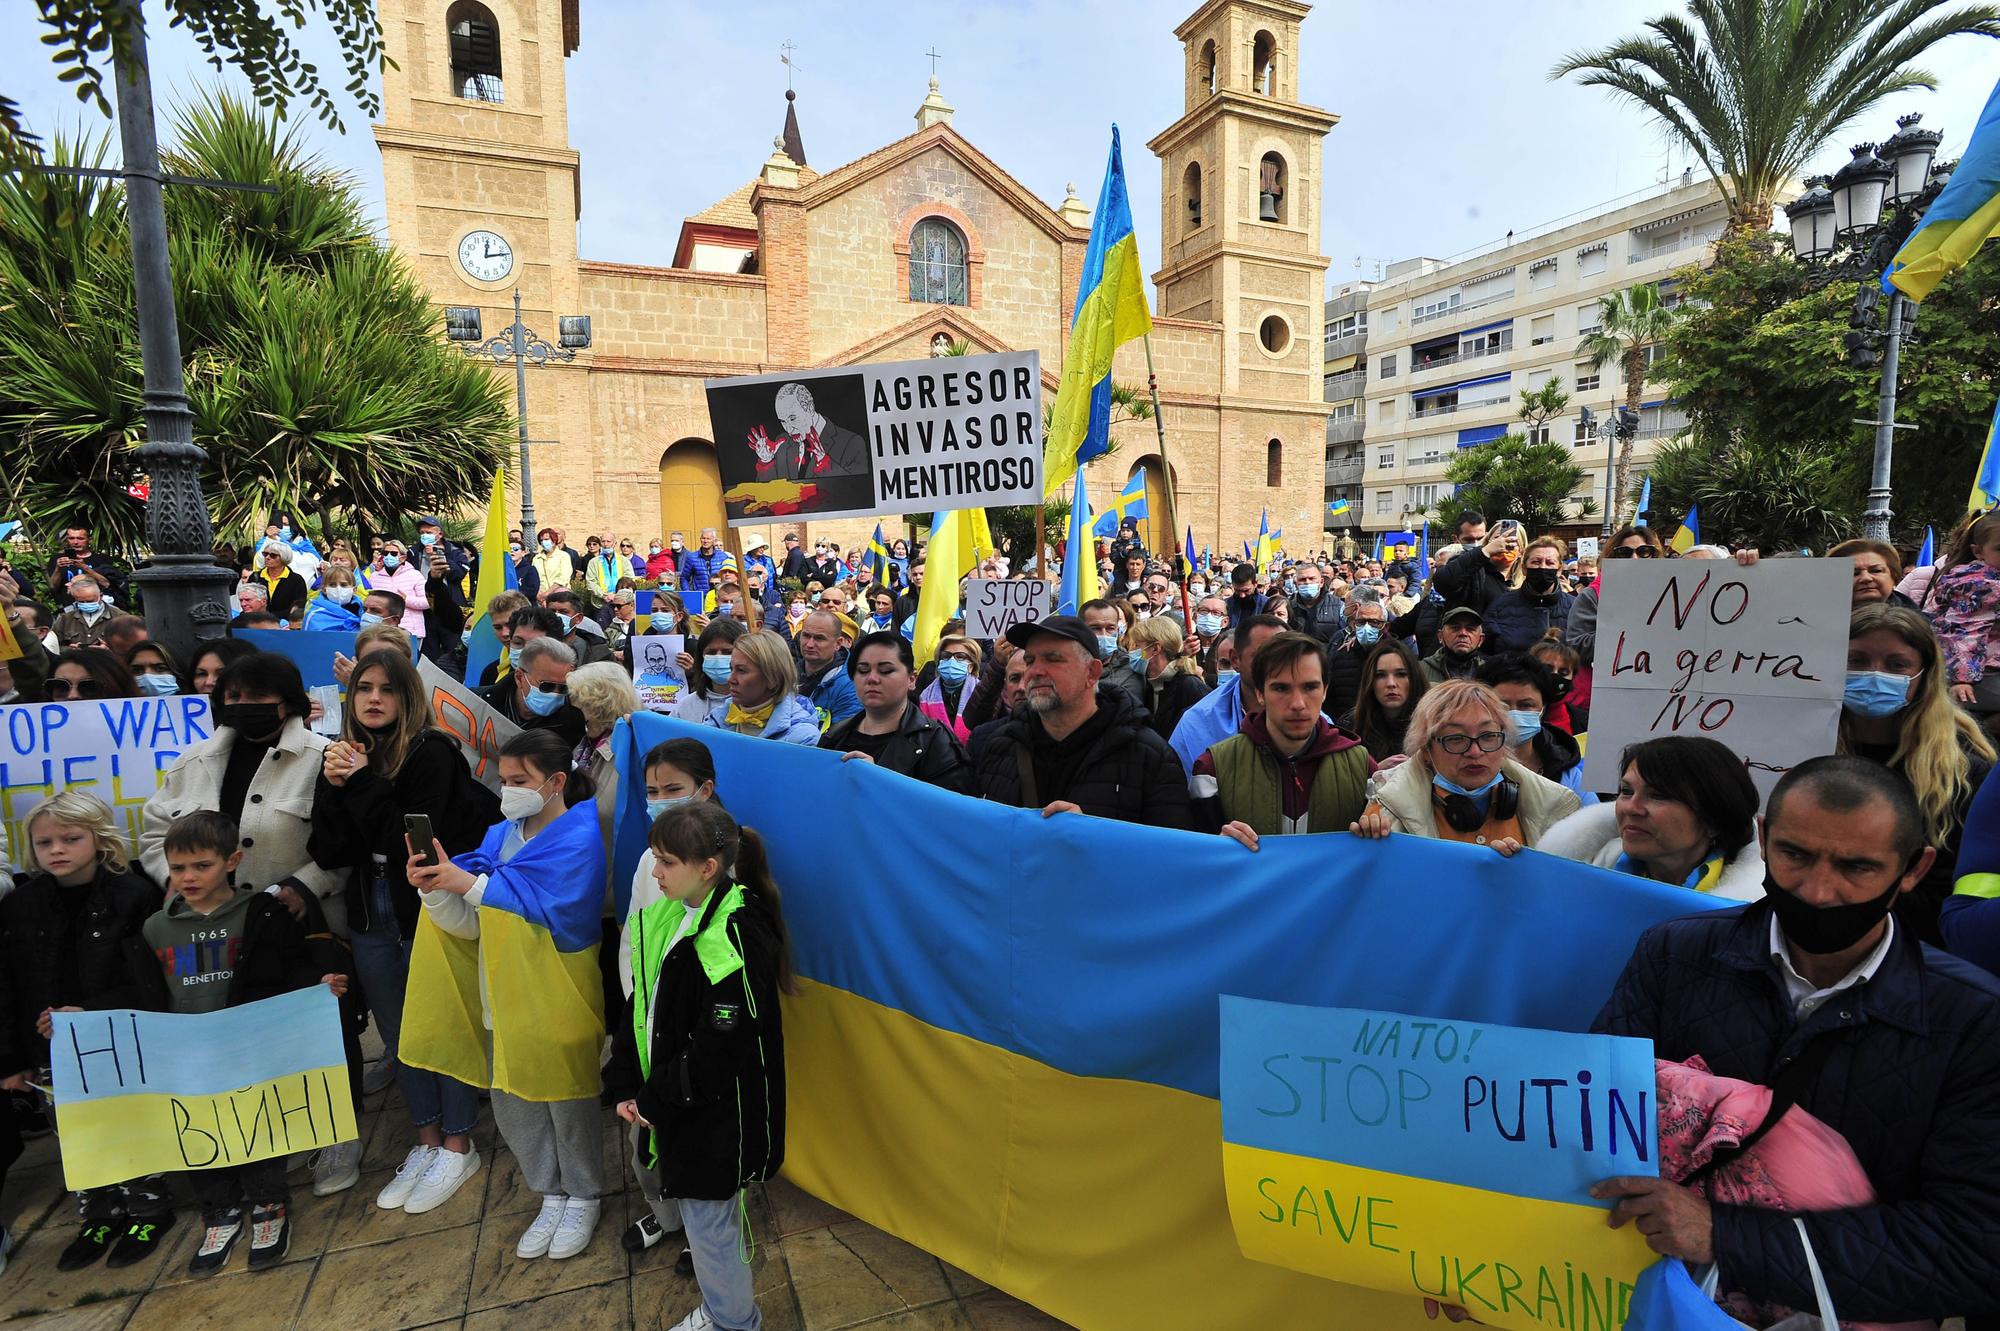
(485, 256)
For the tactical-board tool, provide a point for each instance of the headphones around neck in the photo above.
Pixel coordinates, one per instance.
(1461, 812)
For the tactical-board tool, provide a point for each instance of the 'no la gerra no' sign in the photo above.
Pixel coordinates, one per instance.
(901, 437)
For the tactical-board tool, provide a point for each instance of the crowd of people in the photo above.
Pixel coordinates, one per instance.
(1332, 693)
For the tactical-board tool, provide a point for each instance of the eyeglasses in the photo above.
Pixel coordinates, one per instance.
(1489, 741)
(1159, 588)
(552, 688)
(63, 688)
(1630, 552)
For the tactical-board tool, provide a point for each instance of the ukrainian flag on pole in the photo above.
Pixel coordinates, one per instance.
(1110, 311)
(1965, 216)
(1986, 483)
(496, 575)
(1079, 573)
(1689, 536)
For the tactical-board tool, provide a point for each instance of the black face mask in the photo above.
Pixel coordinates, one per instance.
(252, 720)
(1540, 580)
(1821, 930)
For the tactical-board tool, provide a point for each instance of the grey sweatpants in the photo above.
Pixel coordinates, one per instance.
(728, 1287)
(559, 1144)
(664, 1209)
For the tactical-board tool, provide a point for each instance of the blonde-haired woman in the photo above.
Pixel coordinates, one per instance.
(604, 693)
(391, 763)
(945, 698)
(763, 697)
(1461, 782)
(1898, 711)
(1173, 680)
(1534, 603)
(1476, 576)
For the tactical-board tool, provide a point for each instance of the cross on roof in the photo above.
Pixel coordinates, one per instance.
(785, 49)
(935, 57)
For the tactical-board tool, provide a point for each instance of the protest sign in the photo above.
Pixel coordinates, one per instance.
(312, 652)
(113, 748)
(465, 716)
(656, 670)
(1586, 547)
(1440, 1159)
(1753, 657)
(994, 605)
(900, 437)
(156, 1092)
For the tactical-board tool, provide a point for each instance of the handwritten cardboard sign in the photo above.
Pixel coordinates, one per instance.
(113, 748)
(1440, 1159)
(154, 1092)
(897, 437)
(994, 605)
(1753, 657)
(656, 669)
(466, 717)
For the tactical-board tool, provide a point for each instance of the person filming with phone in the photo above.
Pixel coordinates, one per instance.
(1479, 573)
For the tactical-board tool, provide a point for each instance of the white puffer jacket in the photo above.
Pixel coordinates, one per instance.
(1591, 836)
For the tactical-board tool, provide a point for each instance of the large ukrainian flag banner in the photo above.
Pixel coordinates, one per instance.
(1965, 215)
(1007, 1046)
(1110, 311)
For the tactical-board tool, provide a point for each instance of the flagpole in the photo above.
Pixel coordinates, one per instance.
(1167, 486)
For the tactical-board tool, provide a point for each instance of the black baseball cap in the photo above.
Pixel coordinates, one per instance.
(1061, 626)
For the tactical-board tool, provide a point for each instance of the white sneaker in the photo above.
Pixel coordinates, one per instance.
(698, 1320)
(336, 1168)
(379, 1076)
(579, 1222)
(398, 1189)
(536, 1241)
(441, 1179)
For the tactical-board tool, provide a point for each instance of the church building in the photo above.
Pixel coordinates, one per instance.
(922, 243)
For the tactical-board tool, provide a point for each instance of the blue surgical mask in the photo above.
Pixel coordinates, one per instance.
(427, 538)
(716, 668)
(1368, 634)
(1208, 625)
(1457, 789)
(952, 670)
(814, 598)
(547, 545)
(1291, 586)
(1309, 592)
(284, 533)
(1136, 658)
(390, 561)
(1875, 693)
(369, 617)
(1223, 677)
(1107, 646)
(1527, 725)
(158, 686)
(654, 808)
(545, 704)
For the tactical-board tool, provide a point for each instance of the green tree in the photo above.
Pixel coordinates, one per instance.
(315, 369)
(1511, 477)
(1541, 405)
(1754, 493)
(1754, 88)
(1758, 362)
(1629, 321)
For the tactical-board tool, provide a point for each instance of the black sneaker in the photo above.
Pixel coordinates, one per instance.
(270, 1235)
(684, 1264)
(218, 1239)
(645, 1232)
(91, 1242)
(143, 1237)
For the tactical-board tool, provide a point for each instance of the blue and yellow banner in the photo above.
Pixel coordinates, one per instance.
(1965, 215)
(1130, 503)
(496, 575)
(1110, 311)
(1006, 1049)
(1986, 482)
(1437, 1158)
(156, 1092)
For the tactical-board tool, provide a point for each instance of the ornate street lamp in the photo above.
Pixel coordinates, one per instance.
(1910, 152)
(1858, 191)
(1811, 216)
(516, 343)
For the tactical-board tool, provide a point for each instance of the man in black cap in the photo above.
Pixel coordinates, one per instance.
(1079, 746)
(1459, 635)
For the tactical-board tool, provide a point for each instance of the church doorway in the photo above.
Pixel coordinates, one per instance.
(690, 489)
(1161, 541)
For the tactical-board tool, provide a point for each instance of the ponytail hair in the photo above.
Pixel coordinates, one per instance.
(547, 752)
(699, 830)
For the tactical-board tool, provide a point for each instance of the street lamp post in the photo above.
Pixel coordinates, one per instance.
(518, 344)
(1840, 232)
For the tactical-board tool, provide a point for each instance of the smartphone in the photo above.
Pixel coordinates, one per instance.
(417, 829)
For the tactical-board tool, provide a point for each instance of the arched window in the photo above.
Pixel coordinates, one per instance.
(1274, 464)
(1191, 187)
(1205, 68)
(1264, 65)
(937, 263)
(475, 52)
(1271, 188)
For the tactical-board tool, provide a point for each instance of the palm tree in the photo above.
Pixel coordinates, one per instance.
(1756, 87)
(1629, 321)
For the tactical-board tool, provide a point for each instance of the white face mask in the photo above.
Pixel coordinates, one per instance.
(340, 595)
(518, 803)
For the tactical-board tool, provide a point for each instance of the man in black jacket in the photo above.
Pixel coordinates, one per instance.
(1313, 612)
(1818, 993)
(889, 730)
(1367, 617)
(1077, 747)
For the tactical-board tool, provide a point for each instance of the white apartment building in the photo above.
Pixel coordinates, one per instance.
(1451, 345)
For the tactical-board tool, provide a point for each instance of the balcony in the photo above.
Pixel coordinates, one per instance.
(1343, 471)
(1441, 409)
(1341, 387)
(1344, 432)
(1351, 345)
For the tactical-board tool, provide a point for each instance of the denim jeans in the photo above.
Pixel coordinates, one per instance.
(382, 956)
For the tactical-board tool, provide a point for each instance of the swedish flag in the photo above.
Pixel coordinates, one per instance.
(1130, 503)
(877, 560)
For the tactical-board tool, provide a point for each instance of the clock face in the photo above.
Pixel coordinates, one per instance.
(486, 255)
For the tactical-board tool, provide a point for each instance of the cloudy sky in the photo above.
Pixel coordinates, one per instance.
(1451, 134)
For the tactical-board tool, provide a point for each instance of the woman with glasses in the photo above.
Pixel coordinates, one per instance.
(82, 674)
(1461, 782)
(153, 669)
(1580, 634)
(284, 589)
(944, 699)
(392, 572)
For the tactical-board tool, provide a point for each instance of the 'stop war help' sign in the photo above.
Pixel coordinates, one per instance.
(1438, 1159)
(899, 437)
(994, 605)
(1755, 658)
(113, 748)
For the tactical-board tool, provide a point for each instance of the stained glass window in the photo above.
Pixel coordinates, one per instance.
(937, 263)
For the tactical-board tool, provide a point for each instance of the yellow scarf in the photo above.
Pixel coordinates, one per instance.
(752, 721)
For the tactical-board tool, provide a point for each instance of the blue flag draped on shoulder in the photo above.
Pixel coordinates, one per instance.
(496, 575)
(1110, 311)
(1130, 503)
(1965, 215)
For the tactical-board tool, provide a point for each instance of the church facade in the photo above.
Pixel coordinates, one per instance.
(923, 243)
